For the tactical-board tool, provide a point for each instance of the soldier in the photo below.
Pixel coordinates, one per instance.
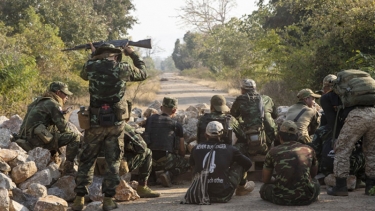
(323, 138)
(304, 115)
(164, 136)
(256, 113)
(137, 155)
(219, 112)
(294, 166)
(107, 77)
(227, 166)
(45, 126)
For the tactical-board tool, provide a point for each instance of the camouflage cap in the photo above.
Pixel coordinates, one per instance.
(307, 93)
(289, 126)
(58, 85)
(214, 128)
(107, 47)
(170, 102)
(327, 81)
(219, 103)
(248, 84)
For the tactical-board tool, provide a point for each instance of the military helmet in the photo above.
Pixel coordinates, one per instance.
(107, 47)
(248, 84)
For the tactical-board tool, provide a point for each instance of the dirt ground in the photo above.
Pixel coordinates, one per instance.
(191, 94)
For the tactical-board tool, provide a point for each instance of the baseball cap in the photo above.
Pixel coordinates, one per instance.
(327, 81)
(214, 128)
(307, 93)
(289, 126)
(219, 103)
(248, 84)
(170, 102)
(58, 85)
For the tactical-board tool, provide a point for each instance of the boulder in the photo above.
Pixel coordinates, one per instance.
(40, 156)
(5, 136)
(24, 171)
(7, 154)
(37, 190)
(41, 177)
(23, 198)
(6, 182)
(124, 192)
(4, 200)
(13, 124)
(64, 188)
(51, 203)
(15, 206)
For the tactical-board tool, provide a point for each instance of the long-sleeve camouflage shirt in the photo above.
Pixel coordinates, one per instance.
(107, 78)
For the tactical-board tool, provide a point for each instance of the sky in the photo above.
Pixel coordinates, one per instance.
(157, 19)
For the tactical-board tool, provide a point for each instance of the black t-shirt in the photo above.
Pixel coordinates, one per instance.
(223, 157)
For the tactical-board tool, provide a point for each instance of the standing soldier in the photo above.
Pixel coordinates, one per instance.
(45, 125)
(256, 113)
(107, 77)
(164, 136)
(304, 115)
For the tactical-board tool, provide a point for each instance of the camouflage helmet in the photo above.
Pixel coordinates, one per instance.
(248, 84)
(328, 80)
(289, 126)
(107, 47)
(214, 129)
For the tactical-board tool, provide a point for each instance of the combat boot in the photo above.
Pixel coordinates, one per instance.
(370, 184)
(68, 169)
(78, 203)
(242, 190)
(146, 192)
(109, 204)
(165, 179)
(340, 189)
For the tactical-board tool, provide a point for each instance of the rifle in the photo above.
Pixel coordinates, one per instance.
(117, 43)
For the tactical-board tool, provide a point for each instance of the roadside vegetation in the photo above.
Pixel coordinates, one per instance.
(284, 45)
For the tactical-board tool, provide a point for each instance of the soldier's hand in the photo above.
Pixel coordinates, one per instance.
(128, 50)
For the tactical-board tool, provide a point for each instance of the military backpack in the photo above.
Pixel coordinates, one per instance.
(224, 120)
(355, 88)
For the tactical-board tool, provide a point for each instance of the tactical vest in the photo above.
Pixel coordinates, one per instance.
(162, 133)
(105, 85)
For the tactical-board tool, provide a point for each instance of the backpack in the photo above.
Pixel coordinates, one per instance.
(355, 88)
(224, 120)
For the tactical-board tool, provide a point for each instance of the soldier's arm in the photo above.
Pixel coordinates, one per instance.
(58, 118)
(234, 111)
(133, 73)
(83, 73)
(314, 123)
(180, 135)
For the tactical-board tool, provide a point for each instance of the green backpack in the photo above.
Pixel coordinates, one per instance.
(355, 88)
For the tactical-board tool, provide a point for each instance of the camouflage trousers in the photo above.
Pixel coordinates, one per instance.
(141, 161)
(172, 163)
(96, 138)
(267, 193)
(358, 123)
(322, 137)
(236, 176)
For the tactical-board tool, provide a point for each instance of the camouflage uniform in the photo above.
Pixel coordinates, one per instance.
(107, 83)
(47, 111)
(247, 110)
(291, 161)
(137, 155)
(359, 123)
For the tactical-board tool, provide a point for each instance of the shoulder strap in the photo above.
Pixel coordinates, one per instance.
(299, 115)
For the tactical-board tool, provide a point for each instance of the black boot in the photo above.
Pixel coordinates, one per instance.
(340, 189)
(370, 183)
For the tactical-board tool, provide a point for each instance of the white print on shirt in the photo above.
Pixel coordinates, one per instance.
(212, 164)
(216, 180)
(205, 146)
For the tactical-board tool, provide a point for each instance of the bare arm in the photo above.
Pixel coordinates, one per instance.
(267, 176)
(181, 150)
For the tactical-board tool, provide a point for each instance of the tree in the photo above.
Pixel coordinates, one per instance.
(203, 15)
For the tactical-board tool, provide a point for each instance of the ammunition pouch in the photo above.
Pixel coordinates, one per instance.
(84, 119)
(256, 140)
(43, 134)
(122, 110)
(107, 116)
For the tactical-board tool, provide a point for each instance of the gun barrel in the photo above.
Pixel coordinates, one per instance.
(117, 43)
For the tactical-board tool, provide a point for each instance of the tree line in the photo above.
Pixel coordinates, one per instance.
(290, 44)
